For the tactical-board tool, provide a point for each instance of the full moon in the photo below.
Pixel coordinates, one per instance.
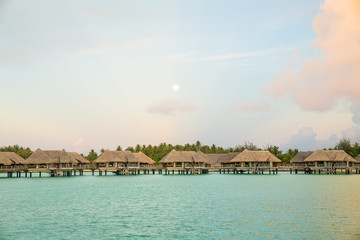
(175, 87)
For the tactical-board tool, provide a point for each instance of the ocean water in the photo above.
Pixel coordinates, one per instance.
(211, 206)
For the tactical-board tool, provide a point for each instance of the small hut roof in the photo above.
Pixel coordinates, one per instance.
(358, 158)
(184, 156)
(300, 157)
(108, 156)
(255, 156)
(214, 158)
(77, 158)
(10, 158)
(229, 156)
(116, 156)
(126, 156)
(199, 156)
(330, 156)
(47, 157)
(143, 158)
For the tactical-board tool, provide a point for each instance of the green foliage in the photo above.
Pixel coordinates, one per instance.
(119, 148)
(286, 157)
(21, 151)
(344, 144)
(92, 155)
(355, 150)
(274, 150)
(158, 152)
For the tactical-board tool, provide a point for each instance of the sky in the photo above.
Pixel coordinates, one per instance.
(81, 75)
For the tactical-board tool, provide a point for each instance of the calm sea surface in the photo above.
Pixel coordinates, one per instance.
(209, 206)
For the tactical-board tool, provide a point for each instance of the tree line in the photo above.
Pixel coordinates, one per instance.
(157, 152)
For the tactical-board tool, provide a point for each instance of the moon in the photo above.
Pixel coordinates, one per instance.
(175, 87)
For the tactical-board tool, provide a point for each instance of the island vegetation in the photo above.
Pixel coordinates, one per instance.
(157, 152)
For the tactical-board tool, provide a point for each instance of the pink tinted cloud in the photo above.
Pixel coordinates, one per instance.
(248, 106)
(170, 107)
(334, 71)
(77, 144)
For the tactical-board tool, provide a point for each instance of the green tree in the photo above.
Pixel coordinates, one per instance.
(92, 155)
(21, 151)
(119, 148)
(355, 150)
(344, 144)
(274, 150)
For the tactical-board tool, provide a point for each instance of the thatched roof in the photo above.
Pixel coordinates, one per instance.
(214, 158)
(142, 158)
(75, 157)
(48, 157)
(10, 158)
(330, 156)
(184, 156)
(300, 157)
(229, 156)
(116, 156)
(358, 158)
(255, 156)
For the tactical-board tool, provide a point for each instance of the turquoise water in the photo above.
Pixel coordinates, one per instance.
(209, 206)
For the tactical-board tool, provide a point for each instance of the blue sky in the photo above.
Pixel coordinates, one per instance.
(97, 74)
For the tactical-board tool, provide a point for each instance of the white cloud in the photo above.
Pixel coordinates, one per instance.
(305, 140)
(355, 109)
(170, 107)
(353, 133)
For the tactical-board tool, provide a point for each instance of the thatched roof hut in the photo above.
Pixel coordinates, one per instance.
(214, 158)
(229, 156)
(358, 158)
(10, 158)
(185, 156)
(143, 158)
(300, 157)
(255, 156)
(329, 156)
(123, 157)
(50, 157)
(75, 157)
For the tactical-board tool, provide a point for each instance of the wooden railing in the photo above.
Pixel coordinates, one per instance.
(14, 168)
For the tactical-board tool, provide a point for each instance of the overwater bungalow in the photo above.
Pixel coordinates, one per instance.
(144, 161)
(121, 162)
(298, 162)
(114, 160)
(357, 164)
(11, 162)
(225, 161)
(255, 161)
(45, 160)
(79, 162)
(56, 162)
(185, 162)
(214, 159)
(329, 161)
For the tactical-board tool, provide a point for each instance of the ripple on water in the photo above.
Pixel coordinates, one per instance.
(181, 207)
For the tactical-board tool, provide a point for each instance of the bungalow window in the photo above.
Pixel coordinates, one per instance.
(247, 164)
(178, 164)
(111, 164)
(42, 166)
